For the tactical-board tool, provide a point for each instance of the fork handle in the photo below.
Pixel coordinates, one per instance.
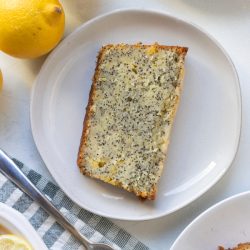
(12, 171)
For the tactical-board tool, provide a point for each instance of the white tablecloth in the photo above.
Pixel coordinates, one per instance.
(227, 20)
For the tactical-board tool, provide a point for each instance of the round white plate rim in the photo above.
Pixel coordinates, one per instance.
(237, 85)
(207, 213)
(20, 223)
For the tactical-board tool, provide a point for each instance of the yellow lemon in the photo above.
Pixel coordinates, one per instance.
(30, 28)
(13, 242)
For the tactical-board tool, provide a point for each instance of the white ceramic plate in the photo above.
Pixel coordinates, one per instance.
(206, 131)
(17, 224)
(225, 224)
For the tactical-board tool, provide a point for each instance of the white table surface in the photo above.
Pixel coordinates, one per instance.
(227, 20)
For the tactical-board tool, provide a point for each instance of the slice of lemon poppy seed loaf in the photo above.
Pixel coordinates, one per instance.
(132, 104)
(241, 246)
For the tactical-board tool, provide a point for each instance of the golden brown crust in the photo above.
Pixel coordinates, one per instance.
(178, 49)
(241, 246)
(143, 195)
(80, 161)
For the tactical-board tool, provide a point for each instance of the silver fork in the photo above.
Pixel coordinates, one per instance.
(11, 171)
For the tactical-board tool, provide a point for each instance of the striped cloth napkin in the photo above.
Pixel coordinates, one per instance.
(94, 227)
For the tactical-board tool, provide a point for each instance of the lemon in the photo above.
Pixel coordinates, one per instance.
(30, 28)
(12, 242)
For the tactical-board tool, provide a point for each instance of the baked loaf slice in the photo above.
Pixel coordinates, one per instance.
(241, 246)
(132, 104)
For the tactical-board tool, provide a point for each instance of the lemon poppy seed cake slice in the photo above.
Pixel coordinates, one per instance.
(132, 104)
(241, 246)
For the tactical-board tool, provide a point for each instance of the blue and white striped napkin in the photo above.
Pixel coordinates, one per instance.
(94, 227)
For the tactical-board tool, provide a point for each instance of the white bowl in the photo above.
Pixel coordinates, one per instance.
(226, 224)
(18, 225)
